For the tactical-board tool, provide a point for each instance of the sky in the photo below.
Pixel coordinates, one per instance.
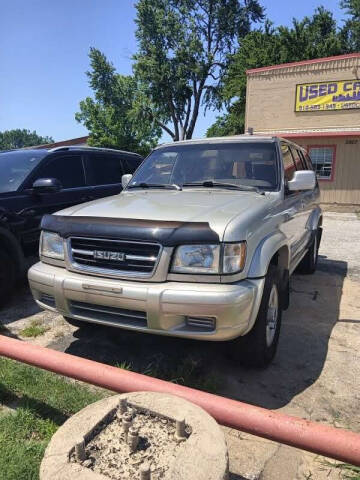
(44, 47)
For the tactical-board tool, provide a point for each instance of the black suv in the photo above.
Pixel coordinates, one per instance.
(36, 181)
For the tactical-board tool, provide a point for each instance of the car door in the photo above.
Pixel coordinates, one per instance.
(103, 172)
(292, 226)
(66, 167)
(310, 197)
(305, 197)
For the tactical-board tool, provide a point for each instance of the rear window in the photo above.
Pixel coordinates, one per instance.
(103, 169)
(16, 166)
(131, 163)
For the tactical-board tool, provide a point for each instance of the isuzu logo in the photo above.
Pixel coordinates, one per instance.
(106, 255)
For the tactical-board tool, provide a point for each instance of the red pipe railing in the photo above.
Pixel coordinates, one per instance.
(331, 442)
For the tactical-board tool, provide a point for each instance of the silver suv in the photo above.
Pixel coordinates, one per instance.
(200, 244)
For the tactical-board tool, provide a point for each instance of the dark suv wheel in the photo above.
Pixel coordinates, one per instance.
(7, 276)
(258, 347)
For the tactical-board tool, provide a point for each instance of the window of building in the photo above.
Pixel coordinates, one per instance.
(323, 159)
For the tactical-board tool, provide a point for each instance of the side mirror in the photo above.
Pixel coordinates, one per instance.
(302, 180)
(125, 179)
(46, 185)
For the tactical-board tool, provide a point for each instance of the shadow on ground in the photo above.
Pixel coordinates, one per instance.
(20, 305)
(306, 330)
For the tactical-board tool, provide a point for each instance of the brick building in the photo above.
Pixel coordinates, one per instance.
(315, 103)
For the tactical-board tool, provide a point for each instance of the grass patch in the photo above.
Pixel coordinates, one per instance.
(347, 471)
(35, 329)
(187, 371)
(43, 402)
(23, 439)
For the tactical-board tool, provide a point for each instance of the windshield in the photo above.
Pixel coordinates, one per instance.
(15, 167)
(250, 164)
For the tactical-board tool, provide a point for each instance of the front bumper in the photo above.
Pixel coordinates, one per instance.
(159, 308)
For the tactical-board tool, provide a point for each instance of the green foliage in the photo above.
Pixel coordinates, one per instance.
(43, 401)
(109, 115)
(23, 439)
(19, 138)
(46, 393)
(312, 37)
(350, 32)
(231, 123)
(34, 329)
(183, 53)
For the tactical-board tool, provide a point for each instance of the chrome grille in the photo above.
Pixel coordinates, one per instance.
(113, 256)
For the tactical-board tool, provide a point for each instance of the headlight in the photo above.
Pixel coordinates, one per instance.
(52, 245)
(197, 259)
(234, 257)
(206, 258)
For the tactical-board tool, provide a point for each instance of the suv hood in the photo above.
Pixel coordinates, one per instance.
(217, 207)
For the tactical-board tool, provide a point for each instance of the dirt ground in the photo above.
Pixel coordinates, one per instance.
(315, 375)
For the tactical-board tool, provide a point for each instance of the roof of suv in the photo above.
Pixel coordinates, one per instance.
(232, 138)
(96, 149)
(73, 147)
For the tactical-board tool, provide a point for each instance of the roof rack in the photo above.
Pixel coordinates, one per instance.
(100, 149)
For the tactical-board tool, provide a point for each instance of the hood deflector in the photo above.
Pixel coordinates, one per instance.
(167, 233)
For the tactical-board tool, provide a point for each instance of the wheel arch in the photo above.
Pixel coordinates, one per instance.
(273, 249)
(315, 220)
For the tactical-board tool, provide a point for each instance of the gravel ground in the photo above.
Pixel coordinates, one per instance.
(315, 375)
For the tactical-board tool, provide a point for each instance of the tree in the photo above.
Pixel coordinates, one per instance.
(109, 115)
(312, 37)
(184, 46)
(19, 138)
(350, 32)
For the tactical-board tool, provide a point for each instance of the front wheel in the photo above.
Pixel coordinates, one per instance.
(258, 347)
(7, 276)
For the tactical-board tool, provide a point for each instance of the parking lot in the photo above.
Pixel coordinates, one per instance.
(315, 375)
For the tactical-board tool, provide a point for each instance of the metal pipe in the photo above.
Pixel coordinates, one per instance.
(331, 442)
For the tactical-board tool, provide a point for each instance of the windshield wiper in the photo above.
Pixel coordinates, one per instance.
(211, 184)
(167, 186)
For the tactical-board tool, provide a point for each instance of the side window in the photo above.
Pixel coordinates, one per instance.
(305, 163)
(68, 169)
(103, 169)
(297, 159)
(289, 165)
(309, 164)
(130, 163)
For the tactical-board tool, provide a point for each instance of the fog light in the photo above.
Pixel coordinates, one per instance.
(202, 323)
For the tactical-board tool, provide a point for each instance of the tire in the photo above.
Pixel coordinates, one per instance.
(7, 277)
(308, 264)
(258, 347)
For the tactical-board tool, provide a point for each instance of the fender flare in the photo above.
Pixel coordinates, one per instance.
(12, 245)
(264, 252)
(315, 219)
